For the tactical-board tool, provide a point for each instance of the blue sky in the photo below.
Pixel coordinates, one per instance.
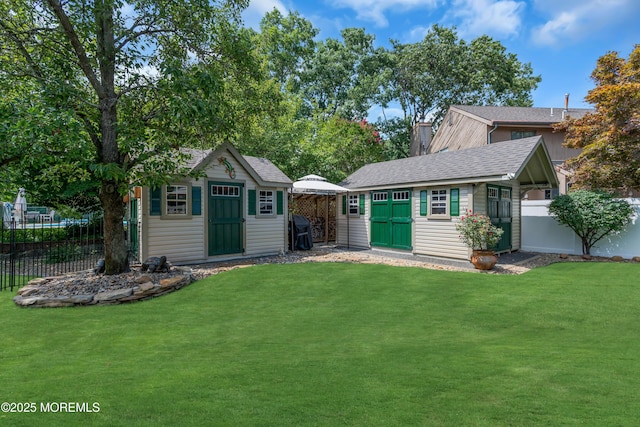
(562, 39)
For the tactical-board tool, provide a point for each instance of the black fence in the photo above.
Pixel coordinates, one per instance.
(47, 248)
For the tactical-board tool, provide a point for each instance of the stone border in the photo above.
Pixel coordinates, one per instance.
(143, 287)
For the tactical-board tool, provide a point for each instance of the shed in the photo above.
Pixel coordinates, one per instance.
(414, 204)
(238, 209)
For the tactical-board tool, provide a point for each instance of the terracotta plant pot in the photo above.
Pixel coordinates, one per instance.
(483, 260)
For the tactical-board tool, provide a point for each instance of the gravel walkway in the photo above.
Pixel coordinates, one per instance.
(515, 263)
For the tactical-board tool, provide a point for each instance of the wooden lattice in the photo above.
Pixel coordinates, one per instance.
(318, 209)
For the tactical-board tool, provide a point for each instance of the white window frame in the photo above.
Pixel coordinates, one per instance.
(353, 205)
(266, 202)
(401, 195)
(220, 190)
(380, 196)
(443, 200)
(176, 203)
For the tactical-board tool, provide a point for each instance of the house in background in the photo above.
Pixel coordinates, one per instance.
(466, 126)
(414, 204)
(239, 209)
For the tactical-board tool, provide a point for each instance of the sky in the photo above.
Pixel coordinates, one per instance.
(562, 39)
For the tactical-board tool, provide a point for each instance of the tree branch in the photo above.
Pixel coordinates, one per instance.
(83, 59)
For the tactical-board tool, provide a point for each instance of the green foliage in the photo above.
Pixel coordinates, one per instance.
(34, 235)
(477, 232)
(397, 137)
(340, 147)
(443, 70)
(64, 253)
(591, 215)
(609, 136)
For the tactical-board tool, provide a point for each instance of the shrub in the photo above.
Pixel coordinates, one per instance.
(477, 231)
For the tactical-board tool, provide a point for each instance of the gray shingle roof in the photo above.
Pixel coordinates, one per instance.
(195, 156)
(264, 168)
(267, 170)
(495, 160)
(521, 114)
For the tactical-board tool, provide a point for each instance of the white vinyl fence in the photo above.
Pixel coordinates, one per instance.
(542, 233)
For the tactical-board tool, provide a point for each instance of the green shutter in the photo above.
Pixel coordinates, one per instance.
(361, 210)
(280, 206)
(156, 201)
(196, 200)
(423, 202)
(454, 206)
(344, 205)
(252, 202)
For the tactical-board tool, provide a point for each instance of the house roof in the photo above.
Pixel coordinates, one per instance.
(267, 170)
(526, 160)
(262, 170)
(493, 115)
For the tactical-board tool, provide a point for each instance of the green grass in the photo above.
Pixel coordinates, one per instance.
(340, 344)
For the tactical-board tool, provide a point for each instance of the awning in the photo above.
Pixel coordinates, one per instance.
(315, 184)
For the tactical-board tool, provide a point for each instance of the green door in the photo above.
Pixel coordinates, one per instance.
(391, 218)
(499, 210)
(132, 228)
(380, 219)
(225, 219)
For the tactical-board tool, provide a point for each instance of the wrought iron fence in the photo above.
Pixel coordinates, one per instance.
(44, 248)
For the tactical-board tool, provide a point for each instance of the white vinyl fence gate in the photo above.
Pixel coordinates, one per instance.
(542, 233)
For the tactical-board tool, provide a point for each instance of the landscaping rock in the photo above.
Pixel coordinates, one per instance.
(636, 259)
(113, 295)
(617, 258)
(87, 288)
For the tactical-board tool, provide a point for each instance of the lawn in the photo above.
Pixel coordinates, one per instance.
(339, 344)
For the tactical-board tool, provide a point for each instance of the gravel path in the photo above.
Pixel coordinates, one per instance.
(333, 254)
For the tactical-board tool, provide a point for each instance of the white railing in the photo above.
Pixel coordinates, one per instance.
(542, 233)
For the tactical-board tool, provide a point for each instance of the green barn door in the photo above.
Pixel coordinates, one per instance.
(380, 223)
(391, 219)
(499, 210)
(225, 219)
(401, 219)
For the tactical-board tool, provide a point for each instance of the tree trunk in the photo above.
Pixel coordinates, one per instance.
(115, 249)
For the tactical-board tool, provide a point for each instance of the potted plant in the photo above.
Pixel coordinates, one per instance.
(477, 232)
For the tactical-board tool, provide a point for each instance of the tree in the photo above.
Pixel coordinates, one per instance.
(288, 43)
(443, 70)
(591, 215)
(339, 147)
(609, 136)
(140, 77)
(342, 77)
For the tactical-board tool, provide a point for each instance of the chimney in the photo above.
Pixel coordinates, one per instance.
(420, 138)
(566, 102)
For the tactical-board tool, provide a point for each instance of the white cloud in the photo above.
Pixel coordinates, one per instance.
(375, 10)
(258, 8)
(575, 20)
(501, 18)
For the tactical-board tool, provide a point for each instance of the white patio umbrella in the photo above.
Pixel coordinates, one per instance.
(315, 184)
(20, 206)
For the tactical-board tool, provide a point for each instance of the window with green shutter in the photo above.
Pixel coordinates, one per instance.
(252, 202)
(361, 205)
(156, 201)
(423, 203)
(196, 200)
(280, 203)
(454, 207)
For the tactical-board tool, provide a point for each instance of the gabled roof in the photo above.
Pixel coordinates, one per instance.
(267, 171)
(525, 160)
(492, 115)
(263, 171)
